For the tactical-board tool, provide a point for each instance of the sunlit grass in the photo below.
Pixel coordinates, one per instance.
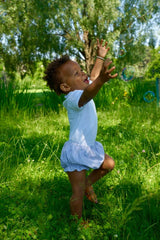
(35, 192)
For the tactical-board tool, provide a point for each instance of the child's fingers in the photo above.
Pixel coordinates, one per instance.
(113, 76)
(107, 62)
(105, 44)
(108, 49)
(101, 42)
(110, 70)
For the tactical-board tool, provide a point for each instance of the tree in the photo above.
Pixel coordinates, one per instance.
(84, 21)
(35, 30)
(26, 36)
(152, 40)
(153, 70)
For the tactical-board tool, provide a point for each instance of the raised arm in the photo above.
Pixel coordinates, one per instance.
(91, 90)
(101, 53)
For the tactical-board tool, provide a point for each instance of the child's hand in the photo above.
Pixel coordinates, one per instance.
(102, 50)
(105, 74)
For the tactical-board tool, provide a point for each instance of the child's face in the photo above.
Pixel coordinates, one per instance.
(73, 77)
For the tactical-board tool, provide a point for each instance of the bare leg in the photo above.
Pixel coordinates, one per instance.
(105, 168)
(96, 174)
(78, 181)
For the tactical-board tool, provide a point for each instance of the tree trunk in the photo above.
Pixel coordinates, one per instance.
(89, 51)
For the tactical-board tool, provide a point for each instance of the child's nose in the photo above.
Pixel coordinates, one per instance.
(84, 74)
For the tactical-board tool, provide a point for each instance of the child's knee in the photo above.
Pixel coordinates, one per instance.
(108, 163)
(111, 164)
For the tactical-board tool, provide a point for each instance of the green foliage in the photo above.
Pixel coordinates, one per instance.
(153, 70)
(33, 96)
(34, 81)
(28, 38)
(119, 91)
(34, 30)
(34, 190)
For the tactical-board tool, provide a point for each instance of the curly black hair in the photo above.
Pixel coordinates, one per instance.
(52, 74)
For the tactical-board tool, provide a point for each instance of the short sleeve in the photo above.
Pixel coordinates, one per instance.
(72, 100)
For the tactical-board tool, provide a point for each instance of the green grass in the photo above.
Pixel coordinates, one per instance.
(34, 190)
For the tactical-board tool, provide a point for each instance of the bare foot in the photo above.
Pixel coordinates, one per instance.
(90, 194)
(84, 224)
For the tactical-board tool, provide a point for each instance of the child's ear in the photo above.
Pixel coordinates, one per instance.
(65, 87)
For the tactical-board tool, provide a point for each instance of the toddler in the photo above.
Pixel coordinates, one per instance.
(82, 152)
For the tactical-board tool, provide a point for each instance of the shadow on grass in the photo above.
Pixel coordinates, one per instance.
(8, 131)
(36, 208)
(141, 216)
(16, 149)
(33, 102)
(128, 211)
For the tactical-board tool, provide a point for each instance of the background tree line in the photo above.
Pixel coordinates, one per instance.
(33, 30)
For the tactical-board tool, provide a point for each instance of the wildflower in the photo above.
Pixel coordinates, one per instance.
(125, 93)
(116, 235)
(143, 151)
(39, 105)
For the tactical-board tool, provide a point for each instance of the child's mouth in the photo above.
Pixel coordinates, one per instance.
(86, 80)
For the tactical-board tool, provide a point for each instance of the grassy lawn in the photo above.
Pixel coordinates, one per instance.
(35, 192)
